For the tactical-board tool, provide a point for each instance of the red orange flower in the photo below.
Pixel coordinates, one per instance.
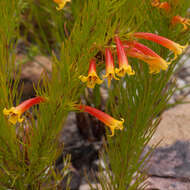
(92, 79)
(162, 5)
(124, 67)
(181, 20)
(14, 113)
(103, 117)
(110, 74)
(171, 45)
(142, 52)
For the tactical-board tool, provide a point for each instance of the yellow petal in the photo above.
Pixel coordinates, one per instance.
(61, 3)
(91, 80)
(83, 78)
(116, 125)
(110, 76)
(14, 115)
(123, 70)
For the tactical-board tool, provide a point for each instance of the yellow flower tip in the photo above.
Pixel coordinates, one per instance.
(175, 57)
(110, 76)
(153, 70)
(14, 115)
(179, 50)
(184, 27)
(182, 48)
(59, 8)
(91, 80)
(155, 3)
(83, 78)
(116, 125)
(61, 4)
(123, 70)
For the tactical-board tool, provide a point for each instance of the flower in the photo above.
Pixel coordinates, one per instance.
(141, 47)
(124, 67)
(155, 63)
(181, 20)
(142, 52)
(110, 74)
(61, 3)
(171, 45)
(14, 113)
(92, 77)
(162, 5)
(103, 117)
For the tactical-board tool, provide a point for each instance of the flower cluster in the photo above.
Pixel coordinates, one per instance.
(175, 19)
(135, 49)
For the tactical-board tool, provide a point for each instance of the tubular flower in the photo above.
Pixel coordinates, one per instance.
(92, 77)
(180, 20)
(171, 45)
(110, 74)
(14, 113)
(141, 47)
(155, 62)
(61, 3)
(103, 117)
(162, 5)
(124, 67)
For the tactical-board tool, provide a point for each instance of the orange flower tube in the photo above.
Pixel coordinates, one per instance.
(14, 113)
(171, 45)
(181, 20)
(92, 79)
(124, 67)
(103, 117)
(110, 74)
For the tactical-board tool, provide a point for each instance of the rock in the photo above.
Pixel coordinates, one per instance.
(158, 183)
(172, 161)
(180, 83)
(32, 72)
(174, 126)
(75, 181)
(84, 153)
(70, 135)
(169, 165)
(87, 187)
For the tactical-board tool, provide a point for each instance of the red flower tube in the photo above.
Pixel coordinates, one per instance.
(124, 67)
(103, 117)
(171, 45)
(92, 79)
(15, 113)
(141, 47)
(110, 74)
